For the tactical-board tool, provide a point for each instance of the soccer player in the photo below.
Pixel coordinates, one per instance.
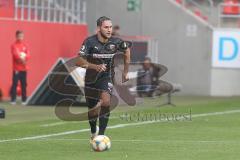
(96, 55)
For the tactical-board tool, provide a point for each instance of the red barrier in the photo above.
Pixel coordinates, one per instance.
(47, 42)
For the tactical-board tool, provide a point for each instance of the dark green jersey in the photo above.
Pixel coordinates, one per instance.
(97, 52)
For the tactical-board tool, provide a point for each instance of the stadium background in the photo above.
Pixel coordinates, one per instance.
(190, 35)
(184, 35)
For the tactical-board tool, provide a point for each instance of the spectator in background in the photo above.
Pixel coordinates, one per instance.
(116, 30)
(20, 56)
(148, 81)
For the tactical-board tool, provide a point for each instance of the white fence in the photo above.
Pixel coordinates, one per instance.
(56, 11)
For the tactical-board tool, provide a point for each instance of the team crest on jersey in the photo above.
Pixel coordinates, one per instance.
(112, 46)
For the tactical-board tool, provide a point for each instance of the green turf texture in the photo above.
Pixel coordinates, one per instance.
(210, 137)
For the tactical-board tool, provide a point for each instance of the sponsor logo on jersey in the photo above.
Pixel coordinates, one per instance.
(103, 55)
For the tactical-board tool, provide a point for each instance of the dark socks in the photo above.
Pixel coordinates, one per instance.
(93, 123)
(103, 119)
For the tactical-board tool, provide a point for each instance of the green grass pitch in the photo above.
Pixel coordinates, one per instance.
(197, 128)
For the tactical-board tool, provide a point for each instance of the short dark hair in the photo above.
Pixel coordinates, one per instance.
(147, 59)
(116, 27)
(19, 32)
(101, 20)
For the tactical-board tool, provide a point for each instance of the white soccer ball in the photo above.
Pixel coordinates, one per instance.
(101, 143)
(23, 55)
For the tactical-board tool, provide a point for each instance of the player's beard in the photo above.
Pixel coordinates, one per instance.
(103, 35)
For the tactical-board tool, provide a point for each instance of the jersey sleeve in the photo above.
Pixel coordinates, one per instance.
(27, 52)
(85, 49)
(123, 45)
(15, 52)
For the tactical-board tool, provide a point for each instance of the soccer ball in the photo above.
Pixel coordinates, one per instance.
(22, 55)
(101, 143)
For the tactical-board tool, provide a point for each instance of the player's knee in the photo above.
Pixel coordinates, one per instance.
(93, 113)
(106, 102)
(105, 97)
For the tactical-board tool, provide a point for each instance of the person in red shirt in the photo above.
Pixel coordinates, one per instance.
(20, 56)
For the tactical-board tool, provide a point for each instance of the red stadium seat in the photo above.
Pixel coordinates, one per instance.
(229, 8)
(198, 13)
(179, 1)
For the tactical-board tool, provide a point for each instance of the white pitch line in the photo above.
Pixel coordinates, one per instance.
(65, 122)
(215, 113)
(142, 141)
(115, 126)
(73, 132)
(55, 124)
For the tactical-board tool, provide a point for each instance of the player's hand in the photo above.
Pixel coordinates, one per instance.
(125, 77)
(100, 68)
(22, 61)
